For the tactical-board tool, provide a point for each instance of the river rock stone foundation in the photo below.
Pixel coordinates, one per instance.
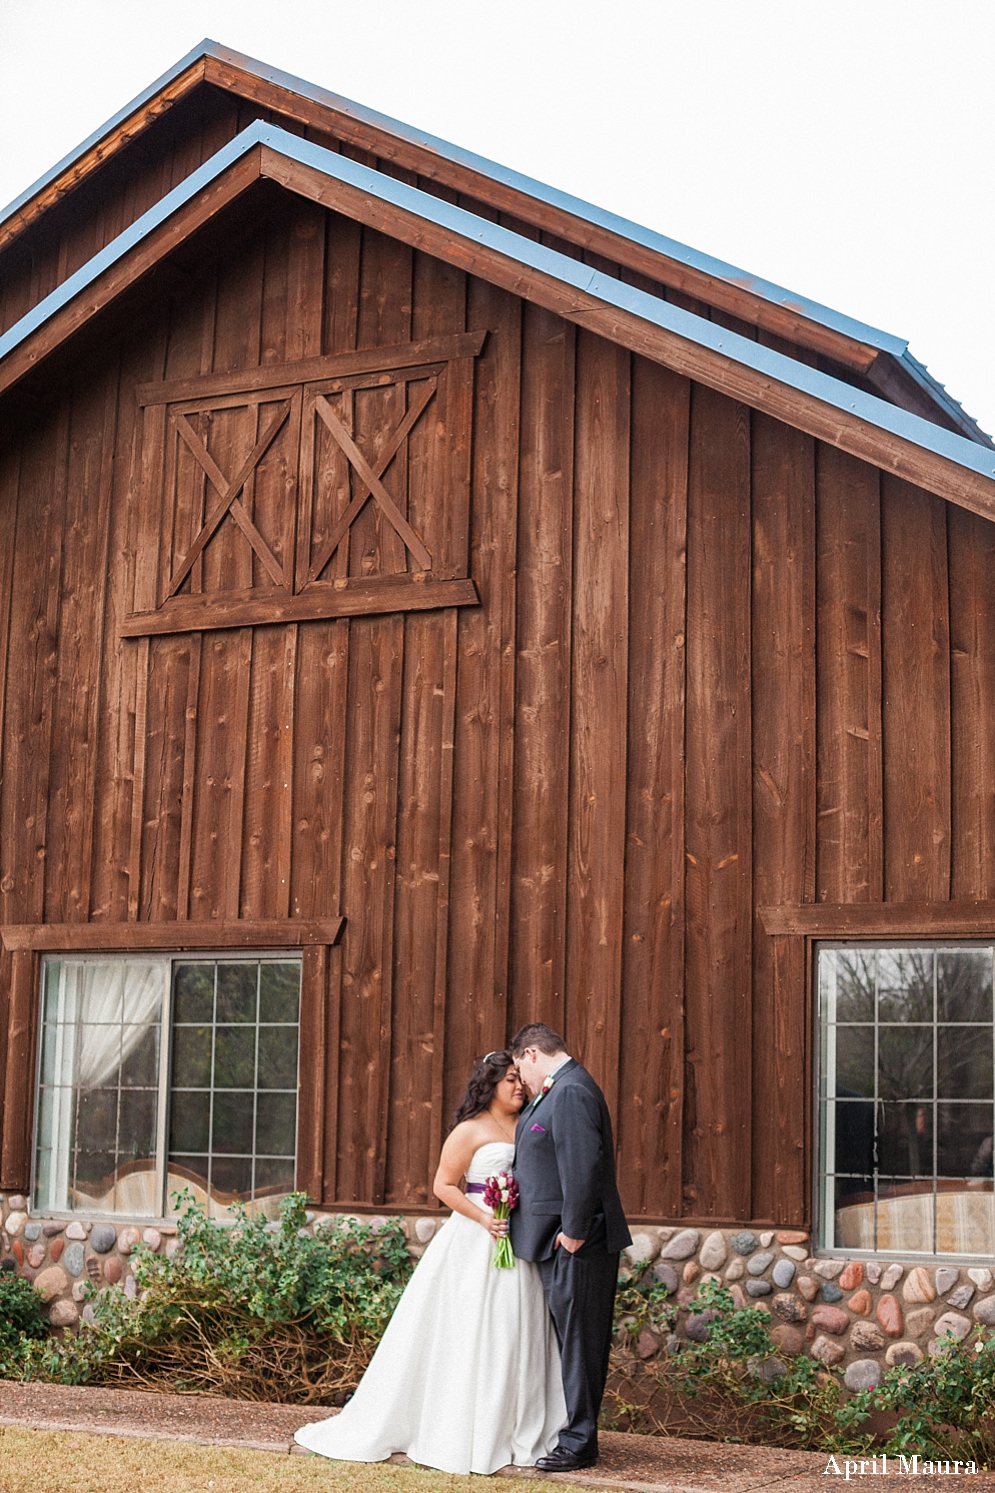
(859, 1315)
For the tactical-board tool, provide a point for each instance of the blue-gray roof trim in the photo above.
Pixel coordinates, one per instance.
(657, 242)
(462, 224)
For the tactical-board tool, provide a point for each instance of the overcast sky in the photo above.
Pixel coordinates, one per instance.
(843, 150)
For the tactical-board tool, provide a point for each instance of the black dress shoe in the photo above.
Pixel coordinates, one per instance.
(563, 1460)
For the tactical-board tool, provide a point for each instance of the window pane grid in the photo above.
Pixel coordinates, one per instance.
(906, 1099)
(240, 1161)
(116, 1105)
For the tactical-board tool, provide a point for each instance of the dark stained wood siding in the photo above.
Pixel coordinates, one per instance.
(716, 666)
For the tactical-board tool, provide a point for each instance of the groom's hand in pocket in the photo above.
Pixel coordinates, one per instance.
(570, 1245)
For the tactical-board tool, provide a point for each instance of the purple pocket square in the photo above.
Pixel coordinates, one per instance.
(540, 1128)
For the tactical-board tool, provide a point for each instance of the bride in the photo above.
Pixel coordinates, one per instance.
(467, 1375)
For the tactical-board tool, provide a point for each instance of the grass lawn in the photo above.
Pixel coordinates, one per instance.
(69, 1462)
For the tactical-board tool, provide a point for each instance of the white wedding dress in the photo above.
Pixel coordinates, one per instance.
(467, 1375)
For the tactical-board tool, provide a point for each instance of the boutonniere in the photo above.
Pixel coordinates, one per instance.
(547, 1084)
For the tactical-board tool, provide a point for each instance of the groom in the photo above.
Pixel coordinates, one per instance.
(569, 1220)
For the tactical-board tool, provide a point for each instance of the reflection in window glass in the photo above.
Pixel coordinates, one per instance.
(906, 1112)
(233, 1091)
(126, 1117)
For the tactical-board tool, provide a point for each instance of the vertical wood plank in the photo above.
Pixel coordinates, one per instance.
(652, 1015)
(718, 829)
(599, 723)
(542, 679)
(783, 646)
(10, 466)
(915, 652)
(477, 1007)
(972, 664)
(314, 1062)
(19, 1083)
(442, 914)
(848, 649)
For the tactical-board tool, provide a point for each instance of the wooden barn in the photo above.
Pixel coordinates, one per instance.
(430, 603)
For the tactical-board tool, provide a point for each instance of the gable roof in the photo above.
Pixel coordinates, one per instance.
(825, 407)
(884, 360)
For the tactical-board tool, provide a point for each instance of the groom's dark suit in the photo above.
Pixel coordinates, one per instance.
(565, 1167)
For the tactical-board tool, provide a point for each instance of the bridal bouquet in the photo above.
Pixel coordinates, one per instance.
(501, 1195)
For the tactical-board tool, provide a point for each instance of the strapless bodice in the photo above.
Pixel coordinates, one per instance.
(495, 1156)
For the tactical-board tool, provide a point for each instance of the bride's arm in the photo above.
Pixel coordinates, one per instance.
(453, 1162)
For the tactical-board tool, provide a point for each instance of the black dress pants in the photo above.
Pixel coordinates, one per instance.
(580, 1293)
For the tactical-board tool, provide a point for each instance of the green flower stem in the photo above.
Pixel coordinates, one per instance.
(504, 1258)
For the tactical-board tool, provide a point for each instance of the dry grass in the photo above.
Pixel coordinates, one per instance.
(69, 1462)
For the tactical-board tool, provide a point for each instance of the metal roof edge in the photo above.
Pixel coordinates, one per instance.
(612, 292)
(564, 201)
(201, 50)
(940, 396)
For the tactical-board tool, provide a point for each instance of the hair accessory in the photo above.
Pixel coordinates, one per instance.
(490, 1055)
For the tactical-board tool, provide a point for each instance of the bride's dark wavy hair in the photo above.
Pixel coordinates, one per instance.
(487, 1074)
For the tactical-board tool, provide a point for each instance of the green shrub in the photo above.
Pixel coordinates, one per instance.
(240, 1310)
(22, 1315)
(946, 1404)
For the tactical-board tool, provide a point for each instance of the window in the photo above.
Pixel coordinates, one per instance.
(161, 1073)
(906, 1099)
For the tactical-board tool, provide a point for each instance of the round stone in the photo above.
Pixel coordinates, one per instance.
(783, 1273)
(788, 1307)
(736, 1269)
(889, 1314)
(667, 1276)
(831, 1292)
(744, 1243)
(808, 1287)
(790, 1236)
(697, 1326)
(36, 1255)
(172, 1245)
(874, 1272)
(131, 1288)
(795, 1252)
(152, 1238)
(825, 1349)
(767, 1369)
(831, 1319)
(789, 1339)
(952, 1324)
(79, 1290)
(766, 1240)
(73, 1258)
(15, 1223)
(75, 1230)
(682, 1246)
(713, 1251)
(902, 1353)
(828, 1269)
(55, 1249)
(758, 1287)
(32, 1229)
(53, 1227)
(946, 1278)
(852, 1276)
(961, 1297)
(64, 1314)
(919, 1322)
(863, 1373)
(17, 1202)
(981, 1277)
(639, 1252)
(647, 1346)
(860, 1303)
(690, 1272)
(918, 1286)
(891, 1277)
(757, 1264)
(127, 1239)
(103, 1238)
(867, 1336)
(424, 1229)
(51, 1282)
(113, 1269)
(984, 1311)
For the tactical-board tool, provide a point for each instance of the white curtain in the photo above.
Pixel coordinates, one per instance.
(102, 1010)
